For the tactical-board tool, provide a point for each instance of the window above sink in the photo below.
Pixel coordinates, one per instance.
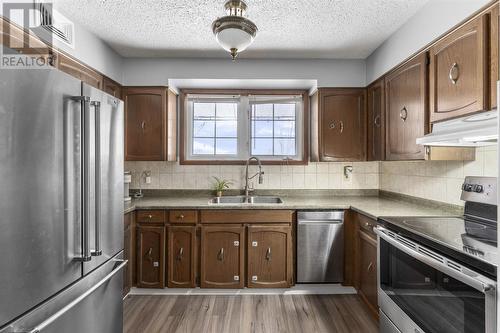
(227, 127)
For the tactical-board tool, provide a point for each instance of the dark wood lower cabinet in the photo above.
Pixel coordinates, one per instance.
(270, 258)
(181, 255)
(367, 269)
(150, 256)
(222, 256)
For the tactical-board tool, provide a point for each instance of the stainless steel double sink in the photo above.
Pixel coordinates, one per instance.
(241, 199)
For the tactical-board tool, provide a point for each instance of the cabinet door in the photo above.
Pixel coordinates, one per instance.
(376, 121)
(494, 16)
(150, 256)
(145, 123)
(111, 87)
(459, 72)
(342, 124)
(222, 256)
(181, 257)
(270, 256)
(127, 252)
(368, 270)
(406, 110)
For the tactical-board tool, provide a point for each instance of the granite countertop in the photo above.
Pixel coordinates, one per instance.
(372, 206)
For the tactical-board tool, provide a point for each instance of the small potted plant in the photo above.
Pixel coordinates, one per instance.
(221, 185)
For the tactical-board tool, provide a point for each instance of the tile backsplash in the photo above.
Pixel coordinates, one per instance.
(437, 180)
(434, 180)
(171, 175)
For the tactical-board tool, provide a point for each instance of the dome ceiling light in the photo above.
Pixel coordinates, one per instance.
(234, 32)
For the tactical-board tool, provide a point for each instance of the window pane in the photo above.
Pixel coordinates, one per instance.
(284, 111)
(226, 111)
(262, 146)
(203, 128)
(284, 129)
(204, 111)
(262, 112)
(226, 146)
(262, 128)
(203, 146)
(227, 129)
(284, 147)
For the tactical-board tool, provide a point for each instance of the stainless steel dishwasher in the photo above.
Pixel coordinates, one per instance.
(320, 247)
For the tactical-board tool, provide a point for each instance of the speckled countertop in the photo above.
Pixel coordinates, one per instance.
(372, 206)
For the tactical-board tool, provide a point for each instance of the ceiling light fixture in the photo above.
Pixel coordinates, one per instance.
(234, 32)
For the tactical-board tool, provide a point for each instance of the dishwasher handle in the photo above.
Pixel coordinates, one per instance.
(313, 222)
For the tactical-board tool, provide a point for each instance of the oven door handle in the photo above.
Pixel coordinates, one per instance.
(427, 256)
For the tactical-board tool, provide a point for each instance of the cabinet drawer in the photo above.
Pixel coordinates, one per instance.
(183, 216)
(152, 216)
(367, 224)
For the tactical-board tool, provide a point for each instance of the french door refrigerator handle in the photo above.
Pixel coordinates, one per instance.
(97, 250)
(86, 255)
(463, 274)
(77, 300)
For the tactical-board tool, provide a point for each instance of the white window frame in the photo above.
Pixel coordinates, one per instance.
(244, 126)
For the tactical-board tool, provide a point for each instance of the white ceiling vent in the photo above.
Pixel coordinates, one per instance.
(46, 17)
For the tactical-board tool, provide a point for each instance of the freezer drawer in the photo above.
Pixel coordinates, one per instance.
(93, 304)
(320, 247)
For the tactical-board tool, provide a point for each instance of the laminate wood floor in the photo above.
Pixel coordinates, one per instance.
(248, 313)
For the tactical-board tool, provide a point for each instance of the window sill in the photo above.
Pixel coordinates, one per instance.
(241, 162)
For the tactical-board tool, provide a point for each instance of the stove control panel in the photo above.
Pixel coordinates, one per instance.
(480, 189)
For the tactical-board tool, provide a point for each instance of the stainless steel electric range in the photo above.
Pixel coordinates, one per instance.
(438, 274)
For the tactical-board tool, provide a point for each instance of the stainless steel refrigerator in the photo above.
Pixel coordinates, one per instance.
(61, 204)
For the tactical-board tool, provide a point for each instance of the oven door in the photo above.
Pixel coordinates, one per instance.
(422, 291)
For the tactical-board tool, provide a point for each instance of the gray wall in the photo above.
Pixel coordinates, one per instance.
(328, 73)
(92, 51)
(434, 19)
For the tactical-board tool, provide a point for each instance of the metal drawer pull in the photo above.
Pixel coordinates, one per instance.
(181, 253)
(150, 252)
(143, 126)
(180, 217)
(370, 266)
(150, 216)
(403, 114)
(77, 300)
(341, 126)
(454, 73)
(268, 254)
(377, 121)
(220, 256)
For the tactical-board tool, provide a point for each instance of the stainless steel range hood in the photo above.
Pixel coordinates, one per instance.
(476, 130)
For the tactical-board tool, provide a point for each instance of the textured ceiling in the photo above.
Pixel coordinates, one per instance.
(287, 29)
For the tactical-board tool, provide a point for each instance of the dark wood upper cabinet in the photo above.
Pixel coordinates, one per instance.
(338, 125)
(149, 114)
(459, 72)
(494, 18)
(376, 121)
(150, 256)
(112, 87)
(222, 256)
(270, 256)
(406, 109)
(79, 71)
(181, 255)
